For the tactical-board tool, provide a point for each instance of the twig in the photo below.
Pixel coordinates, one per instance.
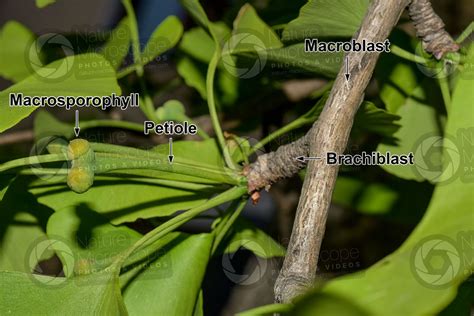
(271, 167)
(430, 28)
(329, 133)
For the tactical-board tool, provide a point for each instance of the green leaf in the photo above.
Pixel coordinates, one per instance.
(172, 110)
(15, 40)
(375, 120)
(198, 308)
(171, 284)
(250, 36)
(419, 121)
(230, 88)
(163, 38)
(44, 3)
(253, 39)
(22, 223)
(269, 310)
(397, 77)
(5, 181)
(16, 240)
(117, 46)
(160, 270)
(405, 282)
(197, 12)
(218, 31)
(248, 21)
(72, 77)
(123, 200)
(192, 75)
(324, 304)
(368, 198)
(89, 236)
(198, 44)
(325, 18)
(401, 83)
(399, 201)
(20, 295)
(46, 124)
(245, 234)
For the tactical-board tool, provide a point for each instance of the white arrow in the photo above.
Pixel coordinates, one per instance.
(347, 74)
(304, 159)
(171, 156)
(77, 129)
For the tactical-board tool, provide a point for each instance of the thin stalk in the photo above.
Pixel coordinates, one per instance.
(285, 129)
(127, 70)
(169, 183)
(444, 86)
(241, 148)
(227, 221)
(45, 172)
(149, 109)
(175, 222)
(161, 176)
(134, 35)
(465, 34)
(278, 27)
(108, 164)
(400, 52)
(112, 123)
(169, 86)
(105, 150)
(211, 101)
(32, 160)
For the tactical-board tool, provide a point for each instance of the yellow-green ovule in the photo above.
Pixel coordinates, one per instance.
(81, 175)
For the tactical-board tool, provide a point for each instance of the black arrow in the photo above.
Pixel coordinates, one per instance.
(171, 156)
(304, 159)
(77, 129)
(347, 74)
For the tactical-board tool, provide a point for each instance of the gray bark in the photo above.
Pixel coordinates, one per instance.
(331, 133)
